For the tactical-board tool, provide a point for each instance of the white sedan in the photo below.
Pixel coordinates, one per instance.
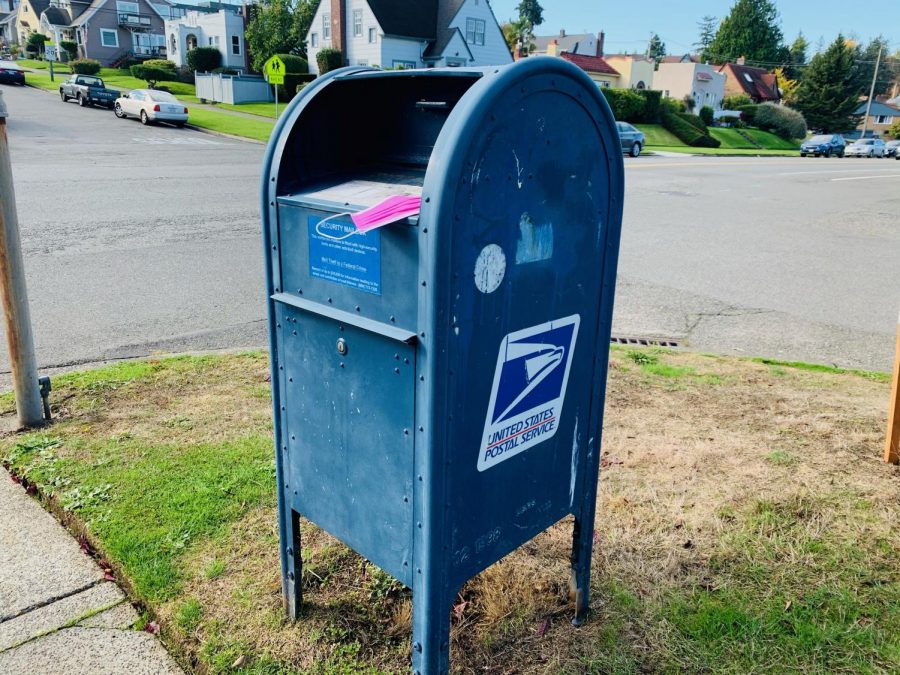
(151, 105)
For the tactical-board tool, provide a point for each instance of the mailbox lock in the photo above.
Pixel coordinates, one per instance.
(342, 346)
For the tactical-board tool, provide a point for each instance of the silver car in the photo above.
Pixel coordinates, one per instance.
(865, 147)
(891, 149)
(632, 139)
(151, 105)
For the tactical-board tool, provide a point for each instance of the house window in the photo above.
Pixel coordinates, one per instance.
(404, 65)
(109, 38)
(127, 7)
(357, 23)
(326, 26)
(214, 41)
(313, 39)
(78, 38)
(236, 45)
(372, 35)
(884, 119)
(475, 31)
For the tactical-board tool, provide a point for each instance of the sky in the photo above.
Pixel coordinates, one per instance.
(628, 24)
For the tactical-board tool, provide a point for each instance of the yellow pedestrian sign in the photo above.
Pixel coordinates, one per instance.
(274, 70)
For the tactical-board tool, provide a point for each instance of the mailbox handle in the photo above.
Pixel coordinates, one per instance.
(331, 236)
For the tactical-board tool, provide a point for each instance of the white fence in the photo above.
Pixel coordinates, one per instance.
(232, 88)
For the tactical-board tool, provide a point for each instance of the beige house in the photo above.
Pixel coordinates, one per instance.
(636, 70)
(700, 81)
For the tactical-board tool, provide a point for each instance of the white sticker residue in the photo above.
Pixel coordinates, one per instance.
(529, 389)
(490, 268)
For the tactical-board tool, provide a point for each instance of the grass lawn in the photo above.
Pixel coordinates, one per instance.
(733, 143)
(745, 524)
(262, 109)
(655, 134)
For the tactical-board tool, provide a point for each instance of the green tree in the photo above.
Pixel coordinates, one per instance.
(35, 43)
(798, 51)
(531, 14)
(887, 71)
(510, 34)
(656, 49)
(303, 15)
(271, 31)
(707, 27)
(829, 92)
(751, 30)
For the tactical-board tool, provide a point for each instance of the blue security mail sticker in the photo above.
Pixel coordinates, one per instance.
(529, 389)
(344, 255)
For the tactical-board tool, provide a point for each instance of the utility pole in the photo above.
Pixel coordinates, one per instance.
(14, 295)
(871, 92)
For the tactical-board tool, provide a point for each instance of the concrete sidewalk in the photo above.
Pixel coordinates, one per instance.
(57, 613)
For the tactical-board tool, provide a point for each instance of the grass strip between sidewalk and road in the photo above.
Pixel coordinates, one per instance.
(733, 143)
(745, 524)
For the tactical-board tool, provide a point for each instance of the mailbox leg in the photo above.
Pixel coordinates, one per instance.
(431, 633)
(582, 543)
(291, 585)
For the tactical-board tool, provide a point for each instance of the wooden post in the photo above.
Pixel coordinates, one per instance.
(892, 442)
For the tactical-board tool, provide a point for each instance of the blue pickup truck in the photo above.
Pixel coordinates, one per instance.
(88, 90)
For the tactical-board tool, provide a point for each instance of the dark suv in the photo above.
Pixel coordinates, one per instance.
(823, 145)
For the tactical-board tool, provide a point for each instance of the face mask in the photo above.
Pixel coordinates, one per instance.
(385, 212)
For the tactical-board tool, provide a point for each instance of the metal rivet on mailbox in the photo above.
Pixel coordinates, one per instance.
(342, 346)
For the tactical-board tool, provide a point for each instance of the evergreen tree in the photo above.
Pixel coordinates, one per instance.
(656, 49)
(531, 14)
(829, 92)
(888, 71)
(707, 27)
(796, 58)
(750, 30)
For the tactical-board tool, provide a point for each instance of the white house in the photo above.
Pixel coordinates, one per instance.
(400, 33)
(223, 29)
(700, 81)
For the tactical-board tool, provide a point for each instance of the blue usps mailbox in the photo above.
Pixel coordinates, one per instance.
(439, 382)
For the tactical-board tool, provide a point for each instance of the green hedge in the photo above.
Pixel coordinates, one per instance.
(153, 75)
(160, 63)
(204, 59)
(627, 105)
(687, 132)
(748, 112)
(329, 59)
(694, 121)
(85, 66)
(652, 101)
(70, 48)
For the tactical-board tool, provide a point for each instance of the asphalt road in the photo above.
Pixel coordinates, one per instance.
(146, 239)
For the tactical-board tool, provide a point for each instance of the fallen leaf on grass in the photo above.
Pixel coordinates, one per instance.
(239, 662)
(152, 627)
(543, 628)
(788, 604)
(459, 610)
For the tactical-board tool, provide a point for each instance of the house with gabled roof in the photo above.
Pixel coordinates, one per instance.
(403, 34)
(586, 44)
(758, 84)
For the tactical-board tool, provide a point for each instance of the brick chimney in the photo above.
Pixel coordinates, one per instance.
(601, 38)
(553, 48)
(338, 26)
(562, 32)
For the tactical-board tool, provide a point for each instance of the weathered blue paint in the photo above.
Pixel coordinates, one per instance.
(381, 401)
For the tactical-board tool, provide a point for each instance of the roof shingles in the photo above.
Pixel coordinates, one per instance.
(590, 64)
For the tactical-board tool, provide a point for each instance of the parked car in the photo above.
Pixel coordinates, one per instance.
(823, 145)
(891, 149)
(152, 105)
(632, 139)
(10, 73)
(87, 90)
(866, 147)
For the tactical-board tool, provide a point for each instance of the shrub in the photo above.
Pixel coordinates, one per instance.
(687, 132)
(694, 121)
(652, 101)
(670, 105)
(329, 59)
(204, 59)
(785, 122)
(689, 102)
(296, 72)
(70, 48)
(748, 112)
(160, 63)
(294, 64)
(627, 105)
(153, 75)
(707, 115)
(185, 74)
(736, 102)
(85, 66)
(894, 131)
(35, 43)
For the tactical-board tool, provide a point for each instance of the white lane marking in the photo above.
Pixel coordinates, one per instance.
(895, 175)
(172, 140)
(810, 173)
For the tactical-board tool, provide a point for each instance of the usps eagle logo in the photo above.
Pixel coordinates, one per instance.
(528, 390)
